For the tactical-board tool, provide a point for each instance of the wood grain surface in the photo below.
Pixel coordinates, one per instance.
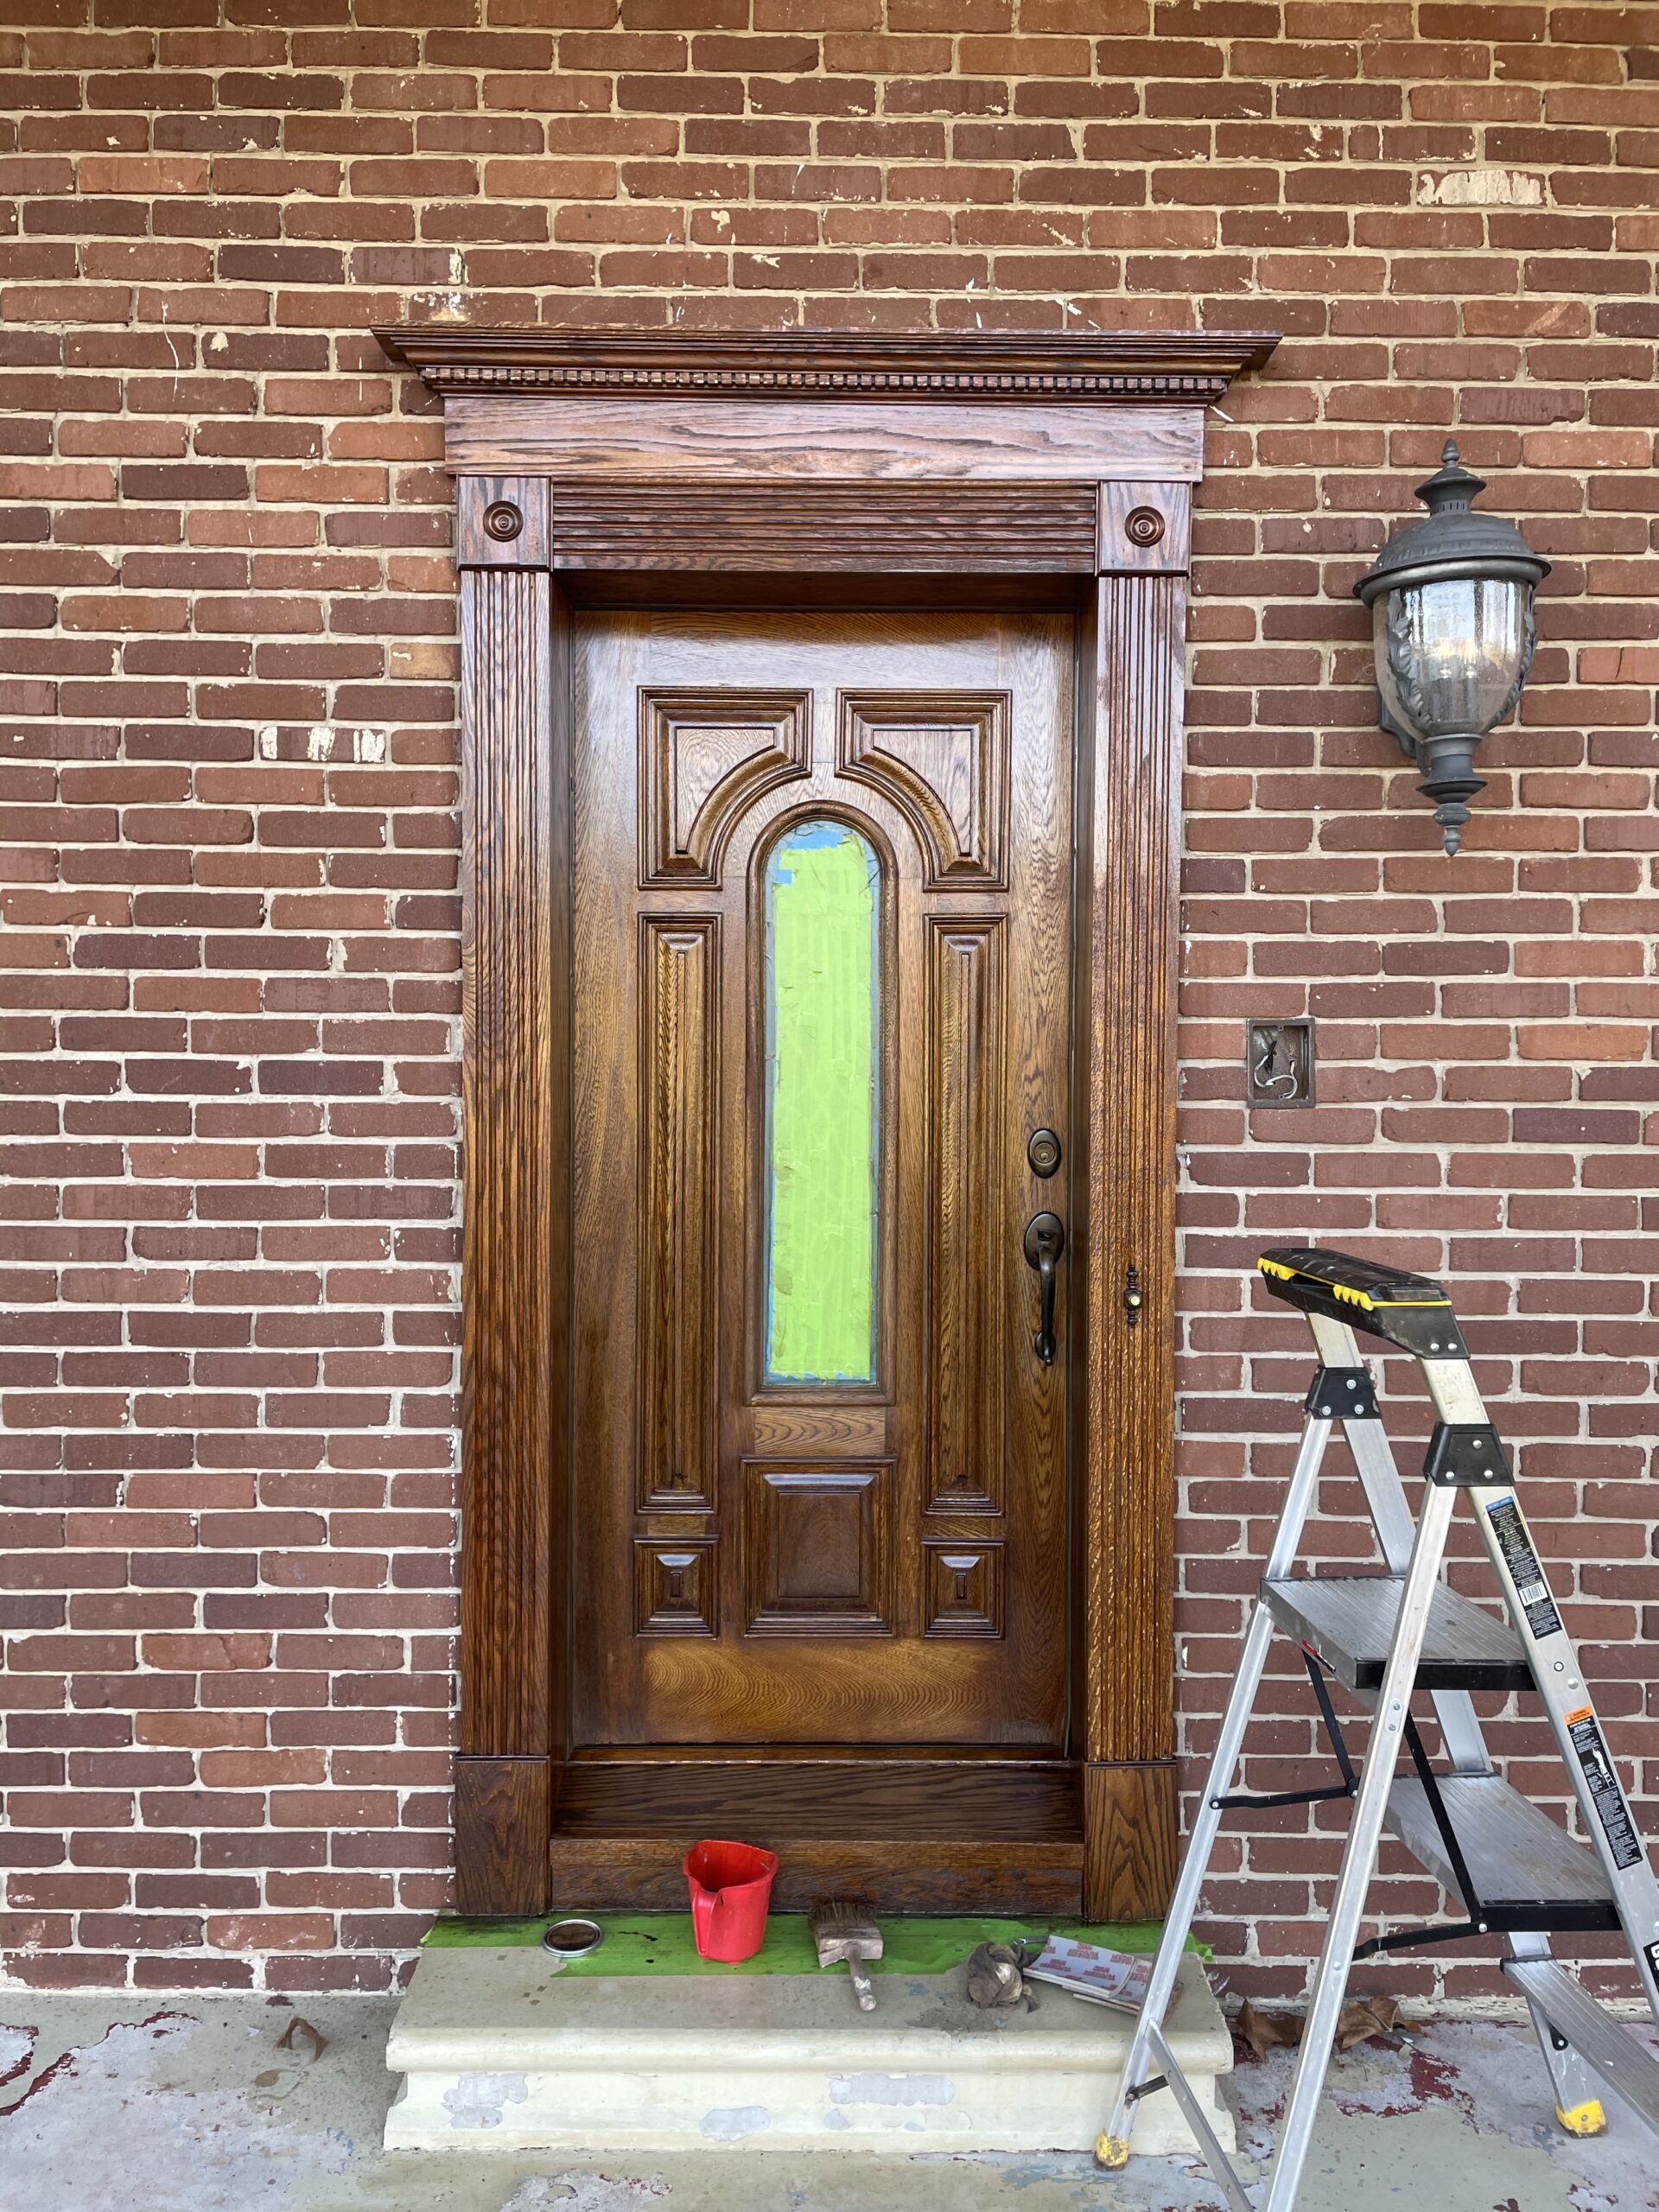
(804, 525)
(695, 440)
(946, 741)
(514, 1254)
(503, 1813)
(1123, 1438)
(831, 1798)
(895, 1874)
(929, 1835)
(1132, 1839)
(833, 473)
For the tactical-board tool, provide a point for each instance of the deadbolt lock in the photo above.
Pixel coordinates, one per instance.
(1043, 1152)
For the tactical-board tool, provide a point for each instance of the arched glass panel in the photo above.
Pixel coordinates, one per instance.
(823, 1092)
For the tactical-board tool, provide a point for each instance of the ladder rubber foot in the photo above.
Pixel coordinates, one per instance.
(1112, 2151)
(1587, 2119)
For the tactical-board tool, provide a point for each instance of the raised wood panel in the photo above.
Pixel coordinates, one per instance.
(1132, 1842)
(819, 1549)
(943, 761)
(679, 1215)
(1124, 1166)
(514, 1256)
(862, 529)
(963, 1587)
(676, 1587)
(966, 1228)
(503, 1812)
(705, 759)
(703, 440)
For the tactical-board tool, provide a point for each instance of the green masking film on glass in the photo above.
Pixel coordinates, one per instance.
(821, 978)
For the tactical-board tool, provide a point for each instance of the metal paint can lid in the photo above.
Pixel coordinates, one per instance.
(572, 1939)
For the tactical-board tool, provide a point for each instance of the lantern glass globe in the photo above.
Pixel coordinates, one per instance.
(1452, 654)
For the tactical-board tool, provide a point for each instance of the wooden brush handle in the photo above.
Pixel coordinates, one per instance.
(863, 1987)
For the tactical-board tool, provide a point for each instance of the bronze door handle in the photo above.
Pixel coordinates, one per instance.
(1044, 1242)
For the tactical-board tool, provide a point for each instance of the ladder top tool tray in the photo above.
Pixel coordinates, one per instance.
(1409, 1311)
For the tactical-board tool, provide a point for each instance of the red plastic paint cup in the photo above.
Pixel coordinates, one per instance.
(730, 1885)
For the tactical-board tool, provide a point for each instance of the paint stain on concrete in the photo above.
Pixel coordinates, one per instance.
(893, 2089)
(16, 2049)
(97, 2129)
(1475, 2105)
(1064, 2179)
(162, 2115)
(731, 2123)
(479, 2099)
(578, 2190)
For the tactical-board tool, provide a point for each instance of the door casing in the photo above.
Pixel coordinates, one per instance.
(792, 466)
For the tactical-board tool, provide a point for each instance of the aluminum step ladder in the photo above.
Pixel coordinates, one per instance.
(1516, 1872)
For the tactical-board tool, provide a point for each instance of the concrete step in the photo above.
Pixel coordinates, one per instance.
(499, 2052)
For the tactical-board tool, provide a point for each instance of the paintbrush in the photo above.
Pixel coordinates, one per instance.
(846, 1934)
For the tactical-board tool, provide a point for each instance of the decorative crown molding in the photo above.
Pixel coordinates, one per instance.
(1196, 366)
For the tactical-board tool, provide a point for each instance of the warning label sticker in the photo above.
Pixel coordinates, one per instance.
(1524, 1570)
(1604, 1793)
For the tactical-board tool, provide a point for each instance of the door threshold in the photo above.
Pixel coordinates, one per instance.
(921, 1834)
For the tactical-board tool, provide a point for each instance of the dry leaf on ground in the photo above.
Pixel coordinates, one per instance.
(300, 2035)
(1358, 2022)
(1366, 2017)
(1266, 2031)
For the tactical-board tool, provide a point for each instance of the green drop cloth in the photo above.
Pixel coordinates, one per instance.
(662, 1942)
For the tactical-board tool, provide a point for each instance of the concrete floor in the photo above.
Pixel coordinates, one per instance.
(191, 2105)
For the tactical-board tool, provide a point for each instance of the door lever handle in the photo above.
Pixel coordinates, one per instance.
(1044, 1242)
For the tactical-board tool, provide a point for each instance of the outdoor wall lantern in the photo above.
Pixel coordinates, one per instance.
(1451, 602)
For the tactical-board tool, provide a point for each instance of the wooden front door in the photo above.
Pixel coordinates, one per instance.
(822, 959)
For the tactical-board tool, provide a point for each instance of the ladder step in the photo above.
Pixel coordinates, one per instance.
(1520, 1862)
(1349, 1620)
(1599, 2039)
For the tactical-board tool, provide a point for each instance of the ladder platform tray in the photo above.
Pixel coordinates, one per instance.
(1520, 1861)
(1347, 1621)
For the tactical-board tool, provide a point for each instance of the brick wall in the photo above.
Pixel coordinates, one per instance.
(227, 1409)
